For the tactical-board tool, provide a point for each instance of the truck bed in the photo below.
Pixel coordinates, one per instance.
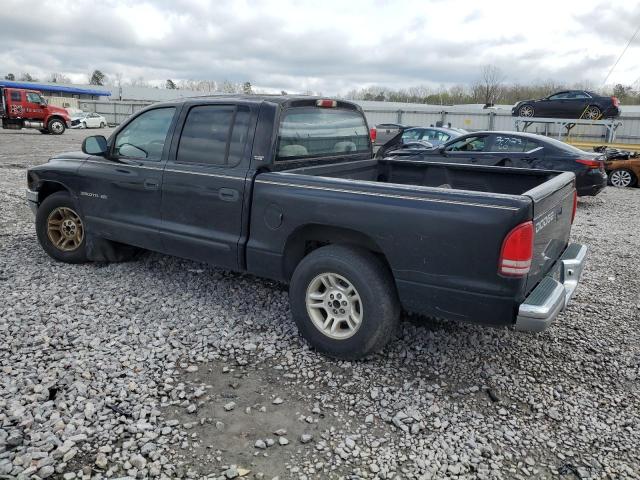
(510, 181)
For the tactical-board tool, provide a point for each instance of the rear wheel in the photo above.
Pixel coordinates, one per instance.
(56, 126)
(526, 111)
(344, 301)
(60, 229)
(622, 178)
(592, 113)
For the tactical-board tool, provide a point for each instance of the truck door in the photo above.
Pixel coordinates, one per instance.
(120, 195)
(203, 185)
(34, 109)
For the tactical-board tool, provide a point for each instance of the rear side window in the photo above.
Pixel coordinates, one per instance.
(16, 96)
(505, 143)
(315, 132)
(214, 135)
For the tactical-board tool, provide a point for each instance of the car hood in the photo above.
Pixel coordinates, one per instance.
(70, 156)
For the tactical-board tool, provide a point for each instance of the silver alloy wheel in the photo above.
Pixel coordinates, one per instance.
(592, 113)
(56, 126)
(620, 178)
(334, 306)
(526, 111)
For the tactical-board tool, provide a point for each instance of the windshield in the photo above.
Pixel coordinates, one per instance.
(313, 132)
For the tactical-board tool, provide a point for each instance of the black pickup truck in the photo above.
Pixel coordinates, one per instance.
(287, 187)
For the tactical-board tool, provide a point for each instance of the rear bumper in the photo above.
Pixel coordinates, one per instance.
(591, 183)
(554, 292)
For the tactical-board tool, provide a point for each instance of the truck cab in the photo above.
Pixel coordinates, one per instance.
(22, 108)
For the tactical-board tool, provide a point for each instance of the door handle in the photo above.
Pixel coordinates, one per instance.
(150, 184)
(228, 194)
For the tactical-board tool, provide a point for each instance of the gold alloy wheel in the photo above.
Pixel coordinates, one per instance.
(65, 229)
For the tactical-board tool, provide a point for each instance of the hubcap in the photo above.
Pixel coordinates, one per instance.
(526, 111)
(64, 229)
(334, 306)
(56, 127)
(620, 178)
(593, 113)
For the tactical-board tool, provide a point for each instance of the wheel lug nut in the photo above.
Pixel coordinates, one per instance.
(335, 311)
(344, 303)
(339, 295)
(331, 296)
(342, 310)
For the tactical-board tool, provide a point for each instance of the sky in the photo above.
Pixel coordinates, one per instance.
(327, 46)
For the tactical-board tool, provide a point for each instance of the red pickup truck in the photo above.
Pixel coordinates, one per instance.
(20, 108)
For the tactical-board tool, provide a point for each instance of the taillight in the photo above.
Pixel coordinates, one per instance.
(575, 205)
(616, 102)
(326, 103)
(373, 134)
(591, 163)
(517, 251)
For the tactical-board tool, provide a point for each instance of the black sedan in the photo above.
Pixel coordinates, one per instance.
(569, 104)
(519, 150)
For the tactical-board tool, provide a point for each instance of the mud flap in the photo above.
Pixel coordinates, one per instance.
(102, 250)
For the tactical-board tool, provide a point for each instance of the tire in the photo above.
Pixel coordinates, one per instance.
(84, 124)
(102, 125)
(526, 110)
(592, 112)
(621, 177)
(56, 126)
(372, 305)
(60, 207)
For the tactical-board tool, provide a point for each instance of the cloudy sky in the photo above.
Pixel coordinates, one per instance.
(328, 46)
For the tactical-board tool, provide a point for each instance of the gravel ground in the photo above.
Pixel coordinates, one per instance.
(167, 368)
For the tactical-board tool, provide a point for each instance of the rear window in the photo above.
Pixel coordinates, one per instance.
(315, 132)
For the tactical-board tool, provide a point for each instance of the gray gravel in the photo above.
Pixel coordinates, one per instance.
(166, 368)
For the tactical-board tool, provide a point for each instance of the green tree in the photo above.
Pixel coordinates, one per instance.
(170, 85)
(10, 76)
(97, 78)
(246, 88)
(26, 77)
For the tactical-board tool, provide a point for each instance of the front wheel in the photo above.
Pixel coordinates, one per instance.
(56, 126)
(60, 229)
(622, 178)
(526, 111)
(344, 301)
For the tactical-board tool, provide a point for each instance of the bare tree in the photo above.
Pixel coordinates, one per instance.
(488, 88)
(56, 77)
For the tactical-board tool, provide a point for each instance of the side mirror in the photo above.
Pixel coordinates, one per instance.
(442, 149)
(95, 145)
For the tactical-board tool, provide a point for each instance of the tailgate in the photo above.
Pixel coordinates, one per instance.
(552, 215)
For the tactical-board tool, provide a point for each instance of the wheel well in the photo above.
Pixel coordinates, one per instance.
(48, 188)
(306, 239)
(54, 117)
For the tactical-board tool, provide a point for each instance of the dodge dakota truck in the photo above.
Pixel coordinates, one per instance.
(287, 187)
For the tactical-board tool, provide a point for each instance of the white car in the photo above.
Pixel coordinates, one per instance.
(88, 120)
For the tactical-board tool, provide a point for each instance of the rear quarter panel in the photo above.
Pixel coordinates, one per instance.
(632, 164)
(448, 240)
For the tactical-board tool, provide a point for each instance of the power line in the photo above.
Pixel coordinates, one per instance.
(623, 52)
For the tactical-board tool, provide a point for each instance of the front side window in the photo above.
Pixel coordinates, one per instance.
(559, 96)
(315, 132)
(214, 135)
(34, 98)
(145, 136)
(469, 144)
(16, 96)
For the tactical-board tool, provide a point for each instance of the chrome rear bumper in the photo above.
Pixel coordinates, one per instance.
(552, 294)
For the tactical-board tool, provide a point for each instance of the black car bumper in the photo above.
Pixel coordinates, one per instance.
(611, 112)
(591, 183)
